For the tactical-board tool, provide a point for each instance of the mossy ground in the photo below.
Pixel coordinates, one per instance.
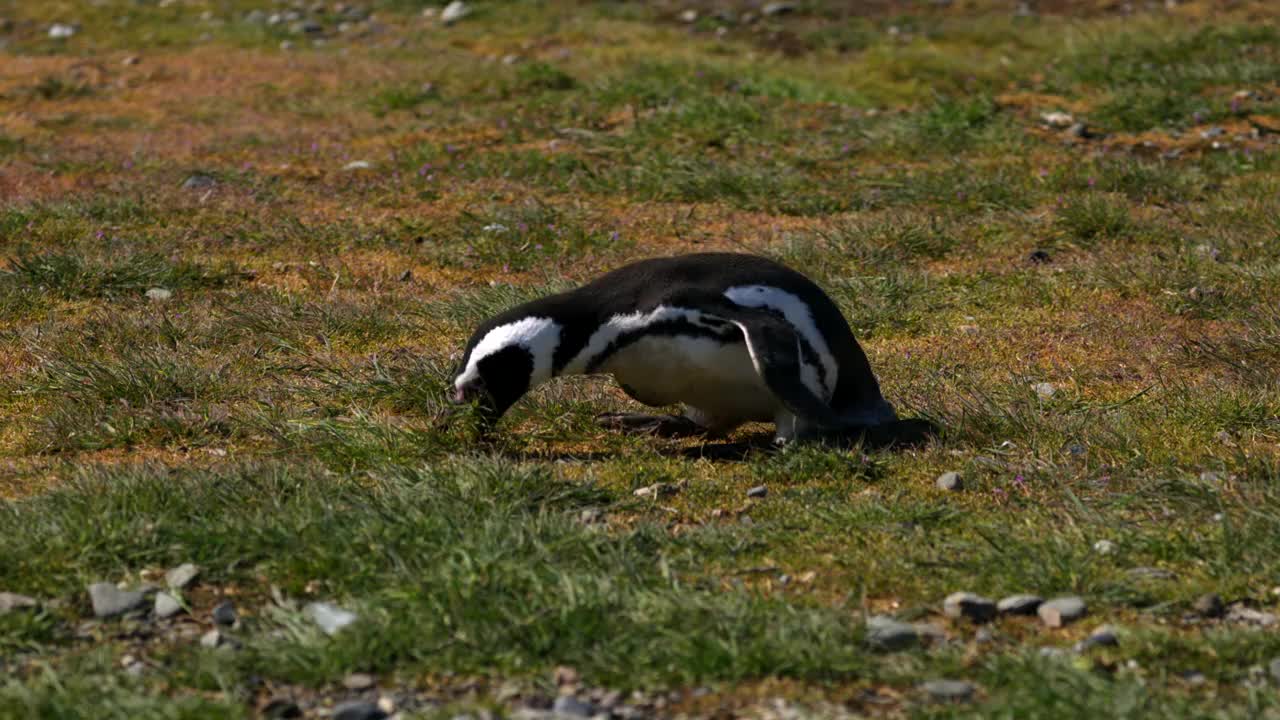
(279, 419)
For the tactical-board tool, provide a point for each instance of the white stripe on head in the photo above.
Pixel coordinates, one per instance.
(620, 324)
(539, 335)
(798, 314)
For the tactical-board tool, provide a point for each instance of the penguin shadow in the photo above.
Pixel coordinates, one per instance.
(897, 435)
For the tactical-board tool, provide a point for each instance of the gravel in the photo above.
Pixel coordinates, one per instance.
(1019, 605)
(949, 481)
(970, 606)
(1062, 611)
(110, 601)
(358, 681)
(570, 706)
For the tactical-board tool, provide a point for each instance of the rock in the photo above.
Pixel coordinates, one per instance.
(358, 710)
(330, 618)
(224, 614)
(286, 45)
(307, 27)
(1104, 636)
(61, 31)
(454, 11)
(215, 639)
(657, 490)
(1019, 605)
(1212, 133)
(1210, 605)
(570, 706)
(949, 481)
(1044, 390)
(984, 636)
(970, 606)
(1104, 547)
(358, 681)
(13, 601)
(357, 165)
(1058, 119)
(1062, 611)
(281, 709)
(110, 601)
(131, 60)
(1249, 616)
(1080, 130)
(948, 690)
(689, 16)
(1273, 667)
(199, 181)
(167, 605)
(180, 577)
(777, 8)
(159, 294)
(758, 491)
(885, 633)
(1039, 256)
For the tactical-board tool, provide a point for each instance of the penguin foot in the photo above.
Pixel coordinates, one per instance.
(670, 426)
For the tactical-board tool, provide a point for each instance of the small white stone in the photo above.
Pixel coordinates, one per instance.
(330, 618)
(689, 16)
(1104, 547)
(1044, 390)
(454, 11)
(1058, 119)
(61, 31)
(158, 294)
(357, 165)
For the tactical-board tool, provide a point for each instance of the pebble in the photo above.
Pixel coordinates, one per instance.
(1019, 605)
(13, 601)
(214, 639)
(968, 605)
(224, 613)
(109, 601)
(948, 690)
(984, 636)
(1058, 120)
(199, 181)
(358, 681)
(949, 481)
(1210, 605)
(777, 8)
(1044, 390)
(1274, 668)
(180, 577)
(1104, 547)
(656, 490)
(885, 633)
(758, 491)
(167, 605)
(358, 710)
(281, 709)
(61, 31)
(330, 618)
(1212, 133)
(1062, 611)
(1104, 636)
(159, 294)
(357, 165)
(689, 16)
(131, 60)
(454, 11)
(1079, 130)
(570, 706)
(286, 45)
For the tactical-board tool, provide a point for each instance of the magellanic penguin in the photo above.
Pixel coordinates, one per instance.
(732, 337)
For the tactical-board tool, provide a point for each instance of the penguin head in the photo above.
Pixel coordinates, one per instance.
(504, 359)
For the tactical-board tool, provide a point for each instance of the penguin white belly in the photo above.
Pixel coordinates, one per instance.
(715, 377)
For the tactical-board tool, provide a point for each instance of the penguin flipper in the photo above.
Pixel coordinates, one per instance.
(774, 346)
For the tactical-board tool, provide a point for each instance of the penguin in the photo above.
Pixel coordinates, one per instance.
(731, 337)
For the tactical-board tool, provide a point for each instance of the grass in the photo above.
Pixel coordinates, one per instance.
(280, 417)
